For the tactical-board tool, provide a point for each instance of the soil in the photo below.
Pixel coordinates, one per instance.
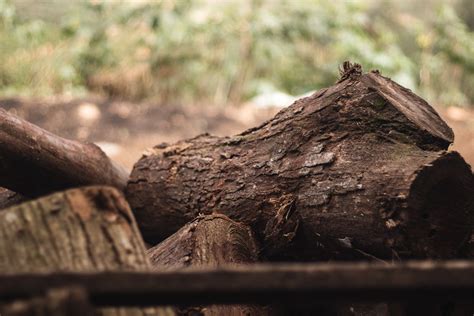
(124, 130)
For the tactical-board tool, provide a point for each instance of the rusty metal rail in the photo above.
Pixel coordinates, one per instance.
(261, 284)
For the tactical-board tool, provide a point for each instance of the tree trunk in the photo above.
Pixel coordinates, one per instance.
(209, 241)
(83, 229)
(358, 170)
(35, 162)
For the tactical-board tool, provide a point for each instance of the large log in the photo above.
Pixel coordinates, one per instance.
(208, 241)
(357, 170)
(86, 229)
(35, 162)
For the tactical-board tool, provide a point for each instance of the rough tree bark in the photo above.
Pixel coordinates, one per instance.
(357, 170)
(9, 198)
(209, 241)
(35, 162)
(87, 229)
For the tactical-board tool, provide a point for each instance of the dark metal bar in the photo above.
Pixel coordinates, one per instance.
(261, 284)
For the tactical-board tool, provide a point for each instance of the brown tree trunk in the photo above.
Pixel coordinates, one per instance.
(358, 170)
(209, 241)
(34, 162)
(83, 229)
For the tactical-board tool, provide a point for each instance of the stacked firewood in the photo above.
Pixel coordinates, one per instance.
(357, 171)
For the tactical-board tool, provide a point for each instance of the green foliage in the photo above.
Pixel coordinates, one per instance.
(229, 51)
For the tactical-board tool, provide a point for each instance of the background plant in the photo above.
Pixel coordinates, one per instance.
(229, 51)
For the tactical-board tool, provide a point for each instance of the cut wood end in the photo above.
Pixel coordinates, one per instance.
(209, 240)
(440, 209)
(106, 198)
(84, 200)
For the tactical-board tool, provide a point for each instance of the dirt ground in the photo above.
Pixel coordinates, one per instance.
(125, 130)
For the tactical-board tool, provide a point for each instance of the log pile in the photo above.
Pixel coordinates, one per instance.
(358, 171)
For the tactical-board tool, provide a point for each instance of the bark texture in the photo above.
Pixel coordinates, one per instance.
(87, 229)
(35, 162)
(9, 198)
(209, 241)
(357, 170)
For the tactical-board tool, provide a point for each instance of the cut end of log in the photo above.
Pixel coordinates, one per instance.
(440, 209)
(84, 229)
(78, 229)
(210, 240)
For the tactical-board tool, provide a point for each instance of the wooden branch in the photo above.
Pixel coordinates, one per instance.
(208, 241)
(86, 229)
(34, 162)
(261, 284)
(355, 171)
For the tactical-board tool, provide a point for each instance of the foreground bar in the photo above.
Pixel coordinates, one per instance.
(261, 284)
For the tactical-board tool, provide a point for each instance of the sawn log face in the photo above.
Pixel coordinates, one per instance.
(80, 230)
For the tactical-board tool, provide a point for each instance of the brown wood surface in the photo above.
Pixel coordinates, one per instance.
(208, 241)
(85, 229)
(355, 171)
(428, 281)
(9, 198)
(35, 162)
(56, 302)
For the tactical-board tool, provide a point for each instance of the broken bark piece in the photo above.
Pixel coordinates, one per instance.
(35, 162)
(9, 198)
(208, 241)
(86, 229)
(357, 170)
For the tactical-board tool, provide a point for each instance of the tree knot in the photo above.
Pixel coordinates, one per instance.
(349, 70)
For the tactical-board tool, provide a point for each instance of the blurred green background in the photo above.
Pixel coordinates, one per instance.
(226, 52)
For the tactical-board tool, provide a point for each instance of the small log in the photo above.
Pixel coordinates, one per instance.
(355, 171)
(208, 241)
(35, 162)
(86, 229)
